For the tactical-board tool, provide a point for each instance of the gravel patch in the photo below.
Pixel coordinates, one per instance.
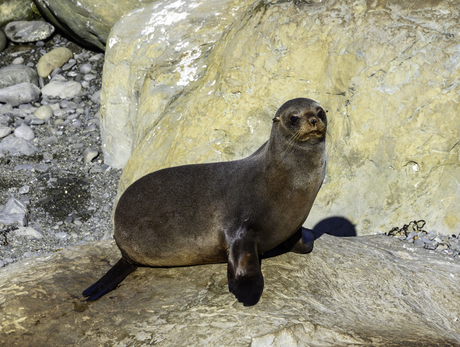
(55, 190)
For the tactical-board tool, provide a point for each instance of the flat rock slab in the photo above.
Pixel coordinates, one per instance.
(361, 291)
(28, 31)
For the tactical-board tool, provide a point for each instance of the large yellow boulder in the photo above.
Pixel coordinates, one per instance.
(388, 72)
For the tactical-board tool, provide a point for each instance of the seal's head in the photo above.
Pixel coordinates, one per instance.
(301, 120)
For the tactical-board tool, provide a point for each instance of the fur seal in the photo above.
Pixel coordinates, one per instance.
(235, 212)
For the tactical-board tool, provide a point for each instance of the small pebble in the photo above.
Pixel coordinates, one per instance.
(44, 112)
(36, 121)
(18, 61)
(89, 154)
(86, 68)
(89, 77)
(61, 235)
(69, 64)
(24, 189)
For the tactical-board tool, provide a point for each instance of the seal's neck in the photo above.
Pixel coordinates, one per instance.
(293, 155)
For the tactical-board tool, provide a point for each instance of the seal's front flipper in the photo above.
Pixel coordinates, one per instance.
(245, 278)
(110, 280)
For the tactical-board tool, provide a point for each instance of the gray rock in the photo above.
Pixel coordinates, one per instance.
(28, 232)
(42, 168)
(411, 236)
(28, 31)
(431, 235)
(18, 61)
(63, 90)
(4, 131)
(24, 132)
(432, 245)
(6, 120)
(89, 77)
(88, 22)
(418, 242)
(2, 264)
(86, 68)
(18, 94)
(3, 40)
(24, 189)
(69, 64)
(5, 109)
(61, 235)
(442, 247)
(96, 97)
(47, 156)
(49, 140)
(23, 167)
(89, 154)
(13, 219)
(36, 121)
(96, 58)
(14, 205)
(56, 71)
(360, 291)
(17, 146)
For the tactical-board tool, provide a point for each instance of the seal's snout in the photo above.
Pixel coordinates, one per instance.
(313, 121)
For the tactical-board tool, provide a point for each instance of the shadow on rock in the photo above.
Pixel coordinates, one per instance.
(303, 240)
(335, 226)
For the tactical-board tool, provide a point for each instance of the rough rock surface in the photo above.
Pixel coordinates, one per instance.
(387, 72)
(184, 30)
(347, 292)
(11, 10)
(87, 21)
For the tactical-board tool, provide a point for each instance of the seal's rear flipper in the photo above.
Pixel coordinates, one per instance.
(301, 242)
(110, 280)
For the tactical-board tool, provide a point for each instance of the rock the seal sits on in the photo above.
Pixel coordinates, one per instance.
(235, 212)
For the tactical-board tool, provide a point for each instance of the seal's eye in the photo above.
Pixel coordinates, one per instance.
(293, 119)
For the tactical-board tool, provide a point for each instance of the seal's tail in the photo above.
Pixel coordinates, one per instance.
(110, 280)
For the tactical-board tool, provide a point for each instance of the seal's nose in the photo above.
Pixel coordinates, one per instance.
(313, 121)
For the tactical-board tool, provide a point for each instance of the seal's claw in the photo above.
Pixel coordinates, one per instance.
(308, 239)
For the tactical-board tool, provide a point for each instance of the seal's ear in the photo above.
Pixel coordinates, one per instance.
(276, 119)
